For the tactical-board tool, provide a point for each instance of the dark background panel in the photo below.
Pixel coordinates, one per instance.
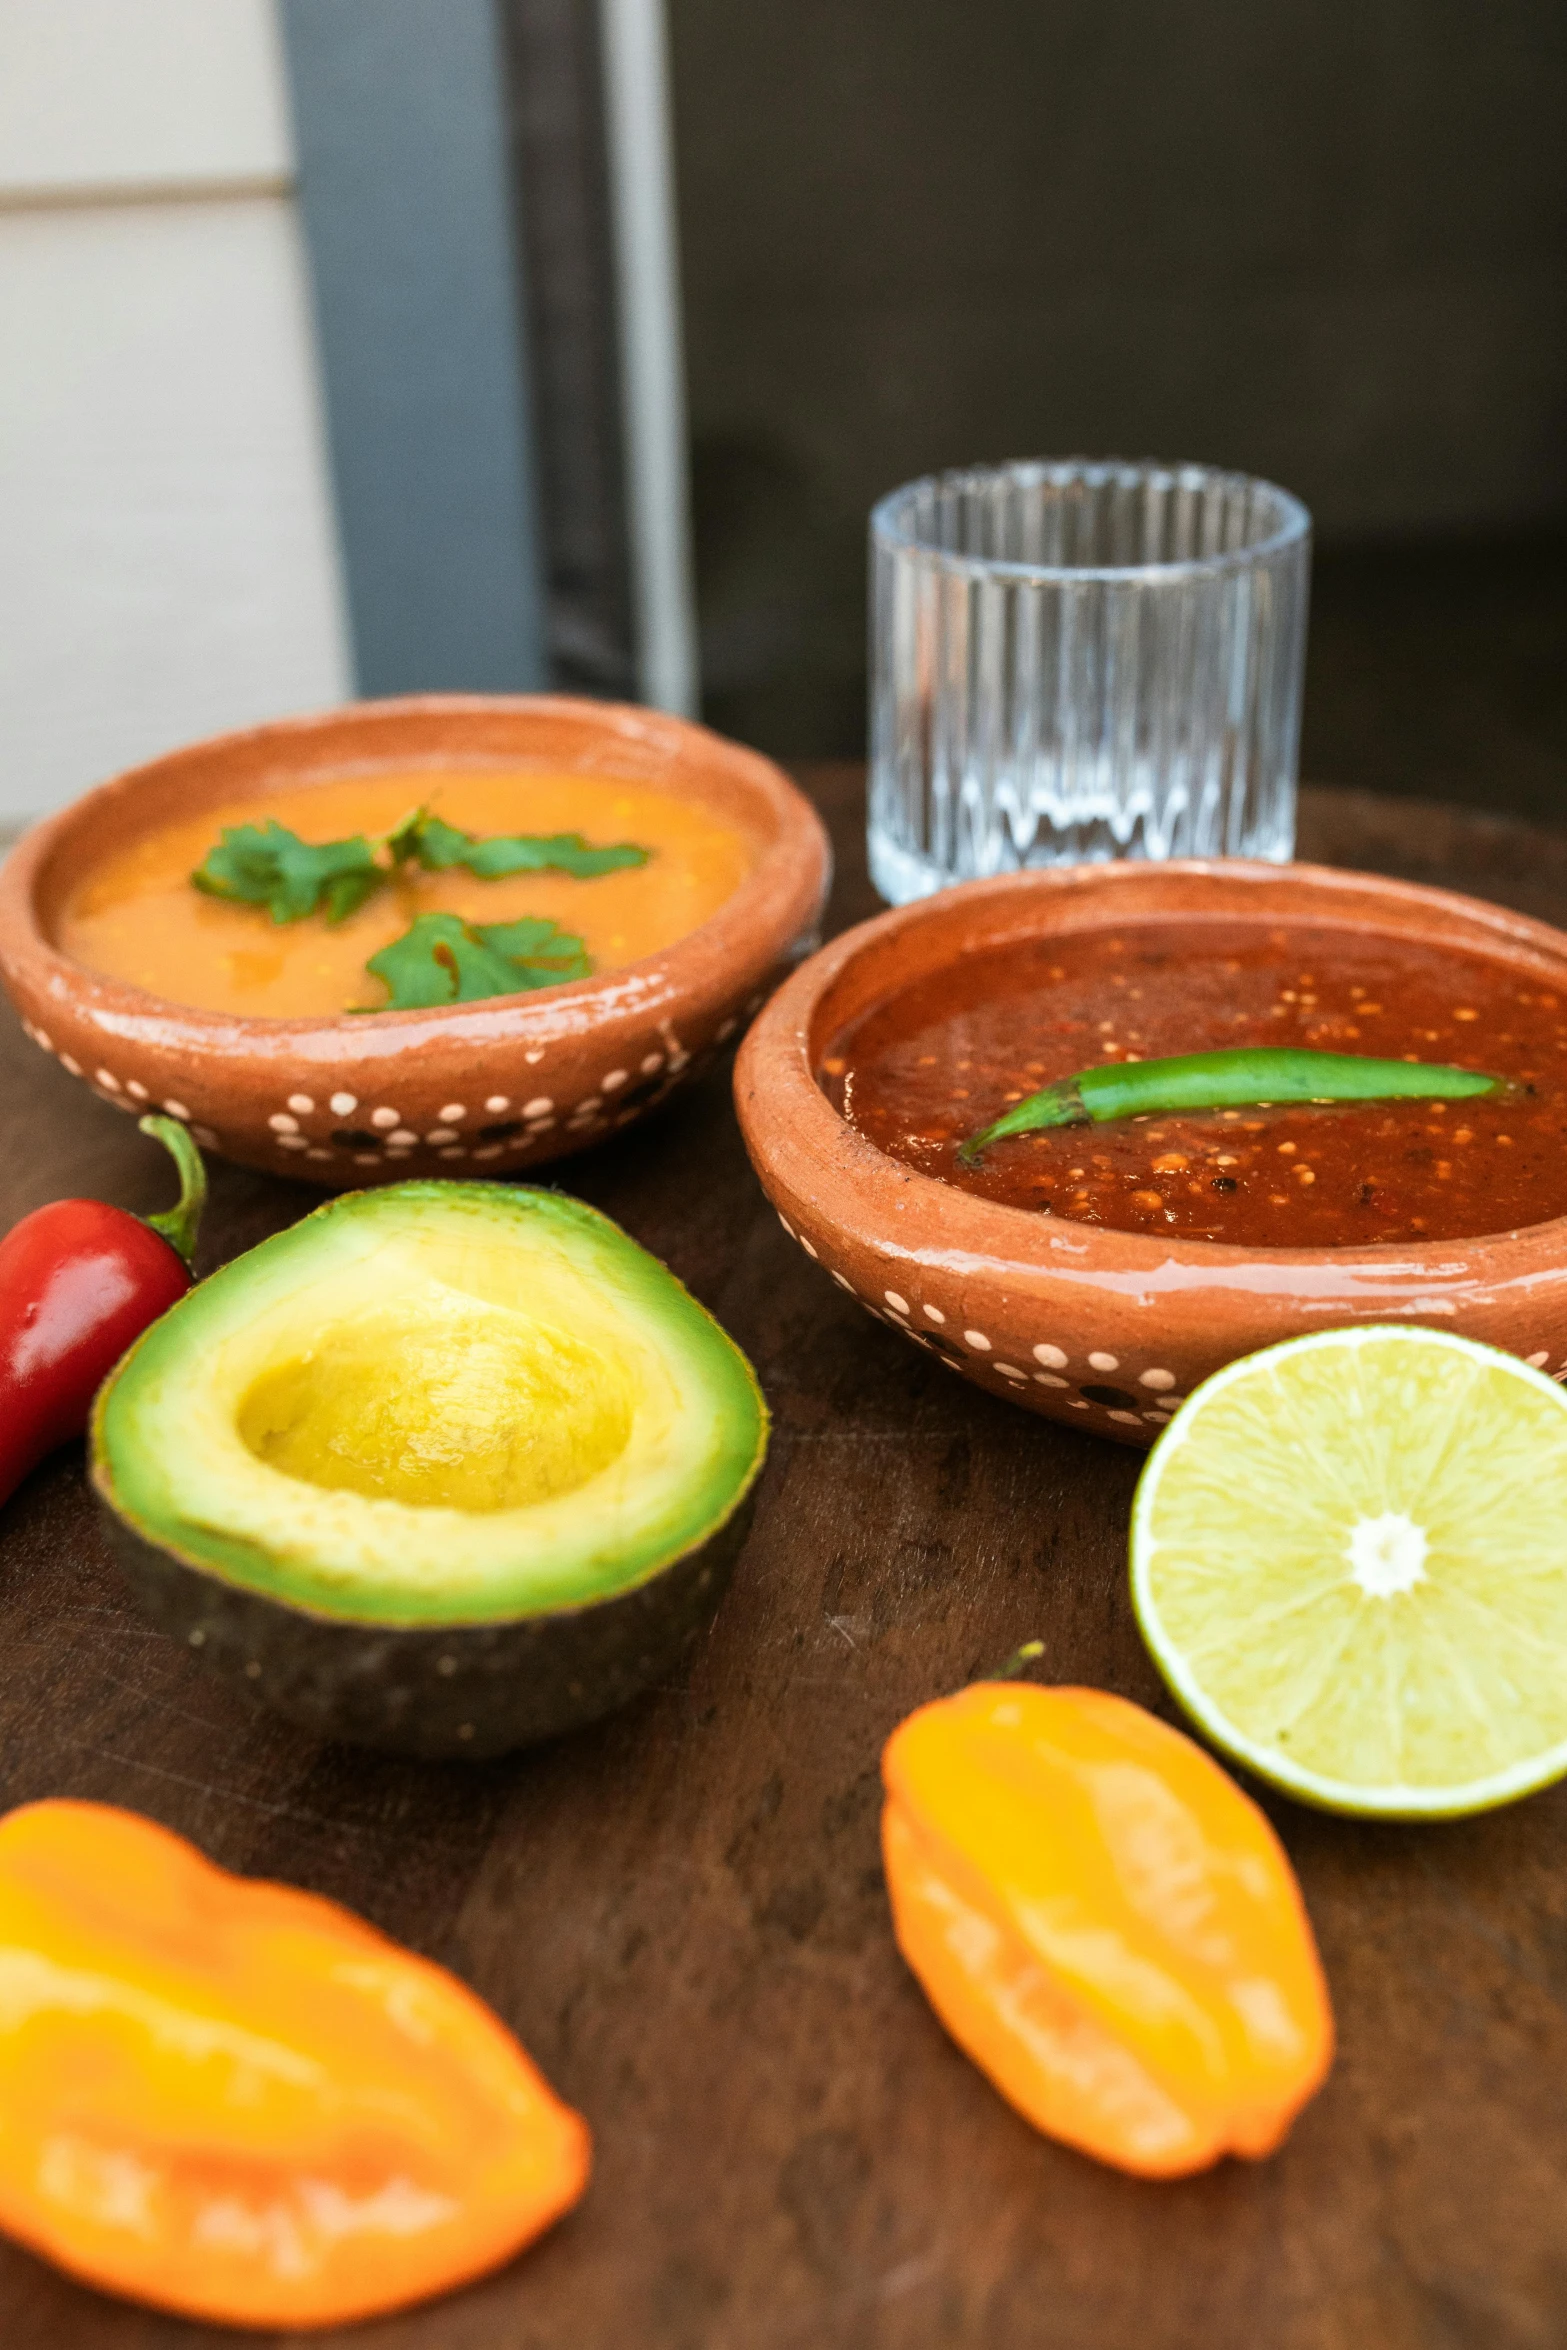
(1322, 241)
(555, 102)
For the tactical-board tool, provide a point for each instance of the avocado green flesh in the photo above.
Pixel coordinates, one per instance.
(438, 1403)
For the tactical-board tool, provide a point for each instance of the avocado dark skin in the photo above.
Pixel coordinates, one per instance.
(439, 1692)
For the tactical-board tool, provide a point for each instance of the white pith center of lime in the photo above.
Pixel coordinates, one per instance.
(1387, 1554)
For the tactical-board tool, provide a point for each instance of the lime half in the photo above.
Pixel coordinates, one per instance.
(1349, 1558)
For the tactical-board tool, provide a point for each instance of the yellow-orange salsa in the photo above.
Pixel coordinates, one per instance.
(936, 1063)
(137, 917)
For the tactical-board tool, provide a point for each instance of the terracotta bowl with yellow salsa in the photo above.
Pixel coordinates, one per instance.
(1097, 1272)
(309, 1045)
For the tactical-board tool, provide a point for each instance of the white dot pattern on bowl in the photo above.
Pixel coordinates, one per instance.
(651, 1064)
(498, 1102)
(1161, 1378)
(401, 1138)
(178, 1110)
(934, 1314)
(1053, 1357)
(292, 1142)
(441, 1134)
(899, 1305)
(1050, 1379)
(613, 1080)
(343, 1105)
(302, 1103)
(107, 1078)
(843, 1284)
(540, 1106)
(73, 1066)
(135, 1088)
(283, 1122)
(977, 1340)
(1104, 1362)
(385, 1117)
(1538, 1362)
(453, 1114)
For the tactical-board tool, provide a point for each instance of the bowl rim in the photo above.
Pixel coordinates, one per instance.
(731, 929)
(794, 1112)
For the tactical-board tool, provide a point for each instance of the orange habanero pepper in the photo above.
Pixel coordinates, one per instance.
(1104, 1923)
(238, 2101)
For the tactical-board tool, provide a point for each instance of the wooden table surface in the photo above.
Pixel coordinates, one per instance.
(681, 1912)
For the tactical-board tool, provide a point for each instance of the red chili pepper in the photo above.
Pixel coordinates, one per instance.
(78, 1281)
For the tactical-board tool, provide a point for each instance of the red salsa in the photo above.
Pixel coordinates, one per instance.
(920, 1072)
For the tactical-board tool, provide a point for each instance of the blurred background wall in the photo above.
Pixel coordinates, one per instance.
(168, 551)
(1323, 241)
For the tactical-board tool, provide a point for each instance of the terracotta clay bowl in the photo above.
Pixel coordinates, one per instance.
(492, 1087)
(1110, 1330)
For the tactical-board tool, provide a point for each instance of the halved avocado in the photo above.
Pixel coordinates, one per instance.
(444, 1468)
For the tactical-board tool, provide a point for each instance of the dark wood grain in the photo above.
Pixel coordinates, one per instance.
(681, 1912)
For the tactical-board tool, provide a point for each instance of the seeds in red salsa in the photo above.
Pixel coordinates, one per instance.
(946, 1057)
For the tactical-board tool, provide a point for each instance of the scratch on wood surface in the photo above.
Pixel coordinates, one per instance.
(855, 1436)
(853, 1629)
(906, 2276)
(118, 1630)
(161, 1705)
(205, 1787)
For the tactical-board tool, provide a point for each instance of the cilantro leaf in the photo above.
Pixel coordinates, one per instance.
(429, 841)
(444, 960)
(272, 867)
(438, 846)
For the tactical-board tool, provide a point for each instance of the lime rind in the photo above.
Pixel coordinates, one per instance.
(1270, 1637)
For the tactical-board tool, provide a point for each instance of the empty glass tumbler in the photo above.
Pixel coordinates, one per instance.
(1077, 661)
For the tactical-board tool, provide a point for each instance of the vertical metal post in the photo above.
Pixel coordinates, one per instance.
(642, 195)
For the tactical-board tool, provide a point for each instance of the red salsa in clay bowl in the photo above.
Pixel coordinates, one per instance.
(1087, 1135)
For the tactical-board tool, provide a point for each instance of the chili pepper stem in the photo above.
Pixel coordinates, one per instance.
(1016, 1664)
(177, 1225)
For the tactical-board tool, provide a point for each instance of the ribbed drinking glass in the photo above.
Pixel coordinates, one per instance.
(1077, 661)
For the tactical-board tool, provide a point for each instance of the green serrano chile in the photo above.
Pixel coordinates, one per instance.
(1238, 1079)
